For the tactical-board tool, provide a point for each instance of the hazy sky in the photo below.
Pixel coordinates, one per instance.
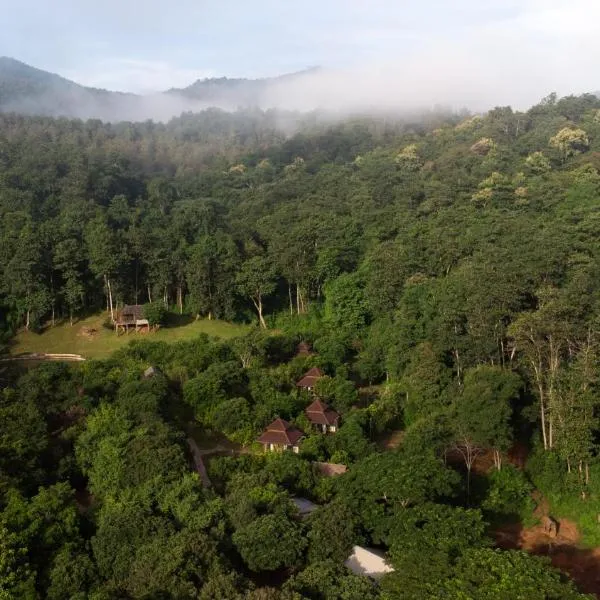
(523, 48)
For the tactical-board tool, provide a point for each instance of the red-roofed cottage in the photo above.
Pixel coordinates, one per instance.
(325, 419)
(310, 378)
(281, 435)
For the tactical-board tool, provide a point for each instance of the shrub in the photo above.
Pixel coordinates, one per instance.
(155, 312)
(509, 496)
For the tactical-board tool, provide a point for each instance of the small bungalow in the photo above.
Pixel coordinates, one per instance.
(131, 315)
(310, 378)
(322, 417)
(281, 435)
(369, 562)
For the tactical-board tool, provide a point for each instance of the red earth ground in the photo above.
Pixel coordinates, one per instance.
(564, 551)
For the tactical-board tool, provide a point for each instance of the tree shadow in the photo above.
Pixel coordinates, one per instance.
(173, 320)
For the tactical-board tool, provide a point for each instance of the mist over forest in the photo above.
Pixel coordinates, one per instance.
(333, 94)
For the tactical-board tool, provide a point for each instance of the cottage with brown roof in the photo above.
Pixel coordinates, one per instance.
(325, 419)
(310, 378)
(281, 435)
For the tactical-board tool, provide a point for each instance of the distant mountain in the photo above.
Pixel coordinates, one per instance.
(27, 90)
(244, 92)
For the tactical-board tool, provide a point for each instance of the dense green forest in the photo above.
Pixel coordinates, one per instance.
(445, 272)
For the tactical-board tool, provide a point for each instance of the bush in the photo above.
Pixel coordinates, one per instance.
(155, 312)
(509, 496)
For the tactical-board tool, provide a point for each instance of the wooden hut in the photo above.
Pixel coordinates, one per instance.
(131, 316)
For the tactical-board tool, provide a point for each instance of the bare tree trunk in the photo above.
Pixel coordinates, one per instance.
(180, 299)
(106, 288)
(497, 460)
(149, 295)
(259, 309)
(290, 297)
(587, 473)
(28, 320)
(110, 300)
(297, 298)
(166, 297)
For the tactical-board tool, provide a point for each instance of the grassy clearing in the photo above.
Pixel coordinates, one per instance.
(63, 338)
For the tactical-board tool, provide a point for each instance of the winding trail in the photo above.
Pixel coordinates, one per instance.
(200, 468)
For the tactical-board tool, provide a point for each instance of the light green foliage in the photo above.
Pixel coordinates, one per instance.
(508, 496)
(16, 577)
(496, 575)
(537, 163)
(570, 141)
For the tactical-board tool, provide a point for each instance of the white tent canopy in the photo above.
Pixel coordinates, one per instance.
(365, 561)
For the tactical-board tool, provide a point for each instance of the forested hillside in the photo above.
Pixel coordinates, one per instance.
(444, 274)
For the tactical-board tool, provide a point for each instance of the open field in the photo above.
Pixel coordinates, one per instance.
(63, 338)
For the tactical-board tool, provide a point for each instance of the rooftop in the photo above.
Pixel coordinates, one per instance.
(319, 413)
(282, 433)
(310, 377)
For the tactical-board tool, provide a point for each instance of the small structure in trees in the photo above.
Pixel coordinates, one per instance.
(281, 435)
(151, 372)
(369, 562)
(322, 417)
(310, 378)
(303, 349)
(327, 469)
(131, 315)
(305, 507)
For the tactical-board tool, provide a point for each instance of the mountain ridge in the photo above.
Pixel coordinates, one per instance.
(25, 89)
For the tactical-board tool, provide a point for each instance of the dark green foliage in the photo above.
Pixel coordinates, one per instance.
(332, 533)
(330, 581)
(270, 542)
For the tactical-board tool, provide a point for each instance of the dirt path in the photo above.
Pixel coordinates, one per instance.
(200, 468)
(564, 551)
(43, 356)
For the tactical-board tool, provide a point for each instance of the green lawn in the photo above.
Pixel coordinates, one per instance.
(63, 338)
